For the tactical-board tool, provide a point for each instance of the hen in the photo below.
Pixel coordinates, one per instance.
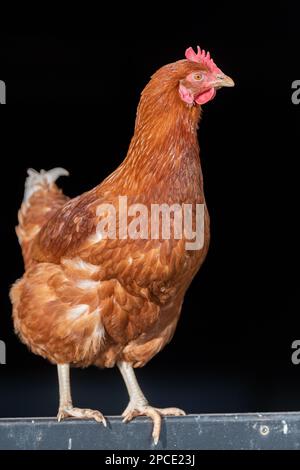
(88, 299)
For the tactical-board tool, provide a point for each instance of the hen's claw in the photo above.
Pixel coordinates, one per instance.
(153, 413)
(79, 413)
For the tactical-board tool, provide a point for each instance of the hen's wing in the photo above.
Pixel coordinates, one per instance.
(72, 232)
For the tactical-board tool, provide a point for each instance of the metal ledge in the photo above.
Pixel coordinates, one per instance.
(229, 431)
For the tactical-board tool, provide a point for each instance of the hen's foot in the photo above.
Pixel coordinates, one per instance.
(79, 413)
(153, 413)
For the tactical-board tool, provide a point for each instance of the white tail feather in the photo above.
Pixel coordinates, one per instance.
(35, 180)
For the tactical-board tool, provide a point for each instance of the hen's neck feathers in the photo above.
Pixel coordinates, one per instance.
(163, 156)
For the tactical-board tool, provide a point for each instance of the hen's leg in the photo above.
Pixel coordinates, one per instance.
(138, 405)
(66, 409)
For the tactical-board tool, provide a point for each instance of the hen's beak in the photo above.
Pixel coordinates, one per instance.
(223, 80)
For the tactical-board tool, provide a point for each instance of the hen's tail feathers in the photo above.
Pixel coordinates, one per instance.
(42, 198)
(37, 180)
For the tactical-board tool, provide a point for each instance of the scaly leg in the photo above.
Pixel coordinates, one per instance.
(138, 405)
(66, 408)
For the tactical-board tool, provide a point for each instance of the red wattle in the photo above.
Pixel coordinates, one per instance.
(205, 96)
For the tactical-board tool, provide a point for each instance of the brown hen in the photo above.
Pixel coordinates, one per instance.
(87, 299)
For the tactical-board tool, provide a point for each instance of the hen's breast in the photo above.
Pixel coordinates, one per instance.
(159, 275)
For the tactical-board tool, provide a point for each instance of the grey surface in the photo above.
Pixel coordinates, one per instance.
(230, 431)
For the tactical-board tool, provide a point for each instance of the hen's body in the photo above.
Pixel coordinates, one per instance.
(85, 300)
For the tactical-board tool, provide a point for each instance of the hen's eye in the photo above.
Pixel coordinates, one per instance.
(198, 76)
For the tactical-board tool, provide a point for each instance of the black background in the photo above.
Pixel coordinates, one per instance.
(232, 349)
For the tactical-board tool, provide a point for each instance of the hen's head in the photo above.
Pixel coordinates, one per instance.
(197, 77)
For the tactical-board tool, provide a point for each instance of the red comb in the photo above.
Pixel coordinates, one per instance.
(201, 57)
